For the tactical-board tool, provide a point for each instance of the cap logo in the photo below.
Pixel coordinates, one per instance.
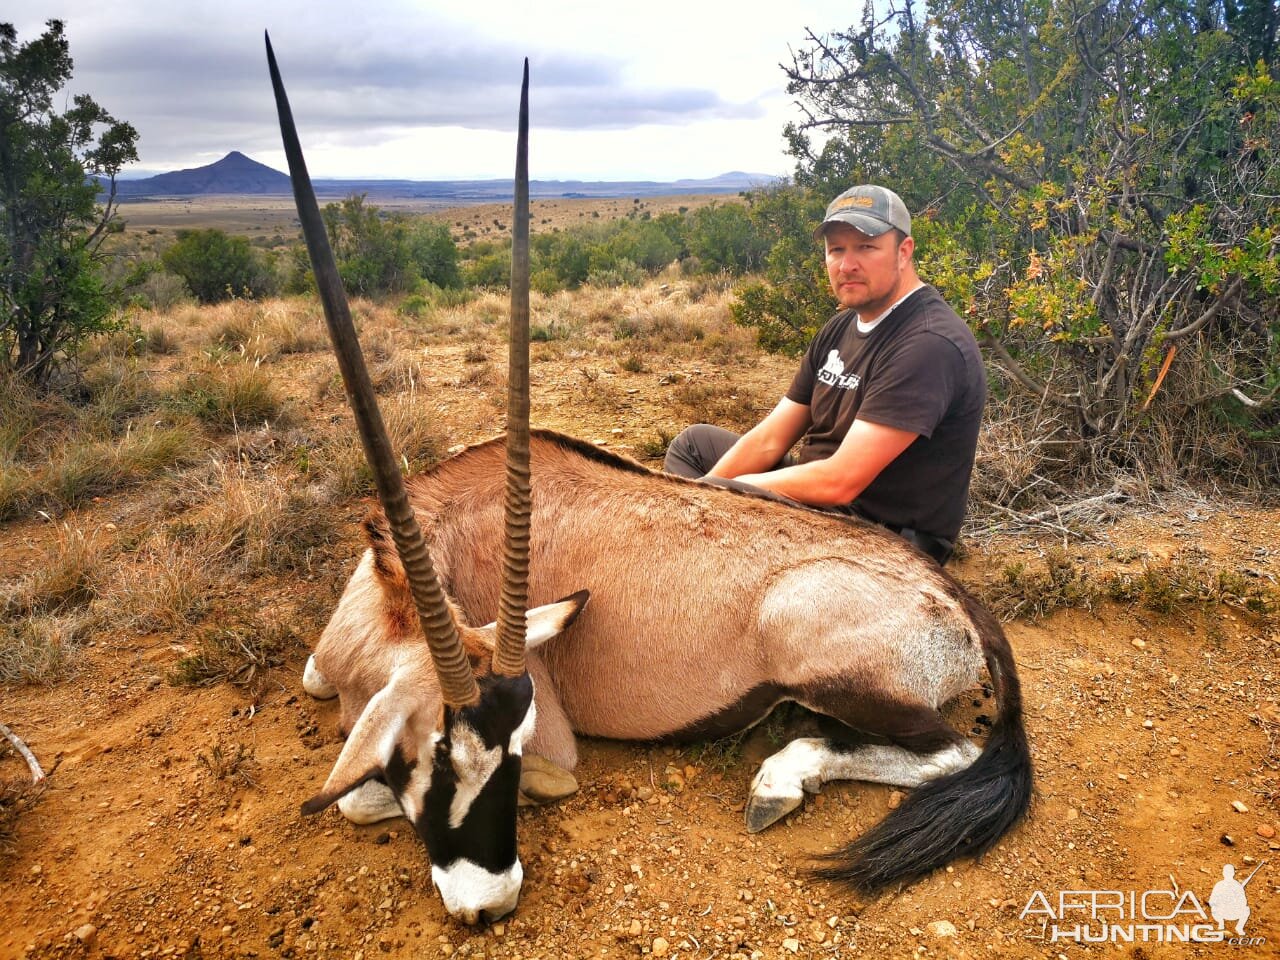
(854, 202)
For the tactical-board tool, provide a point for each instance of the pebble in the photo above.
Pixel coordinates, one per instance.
(636, 928)
(942, 928)
(895, 799)
(86, 933)
(660, 947)
(791, 945)
(1266, 831)
(1139, 643)
(1239, 807)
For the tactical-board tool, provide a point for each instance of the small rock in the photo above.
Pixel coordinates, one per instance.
(895, 799)
(942, 928)
(1148, 724)
(1139, 643)
(1072, 813)
(86, 933)
(791, 945)
(1239, 807)
(660, 947)
(457, 448)
(1266, 831)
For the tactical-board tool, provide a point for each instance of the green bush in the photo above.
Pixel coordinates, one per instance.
(724, 238)
(380, 254)
(217, 266)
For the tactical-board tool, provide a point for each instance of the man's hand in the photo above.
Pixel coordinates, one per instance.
(866, 450)
(766, 443)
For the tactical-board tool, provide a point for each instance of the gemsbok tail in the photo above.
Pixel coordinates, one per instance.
(961, 814)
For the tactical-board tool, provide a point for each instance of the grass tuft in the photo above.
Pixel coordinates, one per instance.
(60, 580)
(230, 763)
(231, 395)
(40, 648)
(239, 654)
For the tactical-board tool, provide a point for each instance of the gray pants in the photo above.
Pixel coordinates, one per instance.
(698, 448)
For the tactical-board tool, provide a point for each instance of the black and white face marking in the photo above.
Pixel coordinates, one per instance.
(468, 814)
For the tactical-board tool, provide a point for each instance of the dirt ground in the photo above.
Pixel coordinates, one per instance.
(170, 825)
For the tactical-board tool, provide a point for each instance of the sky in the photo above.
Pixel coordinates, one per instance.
(397, 89)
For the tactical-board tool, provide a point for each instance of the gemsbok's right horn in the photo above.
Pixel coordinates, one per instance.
(508, 653)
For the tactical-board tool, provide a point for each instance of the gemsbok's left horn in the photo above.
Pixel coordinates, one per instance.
(457, 682)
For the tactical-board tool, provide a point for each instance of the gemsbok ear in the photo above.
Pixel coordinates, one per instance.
(545, 622)
(371, 744)
(542, 623)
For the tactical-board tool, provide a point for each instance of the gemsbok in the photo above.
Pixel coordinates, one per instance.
(708, 607)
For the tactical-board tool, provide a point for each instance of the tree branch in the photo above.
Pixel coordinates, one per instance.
(1203, 320)
(37, 774)
(1014, 369)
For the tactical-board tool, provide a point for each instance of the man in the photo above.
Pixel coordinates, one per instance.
(888, 398)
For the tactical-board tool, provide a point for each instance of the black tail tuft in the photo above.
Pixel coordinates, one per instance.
(960, 815)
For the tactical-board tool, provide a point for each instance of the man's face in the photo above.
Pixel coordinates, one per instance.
(865, 272)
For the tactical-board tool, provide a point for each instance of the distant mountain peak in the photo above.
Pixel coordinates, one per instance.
(234, 173)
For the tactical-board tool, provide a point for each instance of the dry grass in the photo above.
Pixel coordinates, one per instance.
(1178, 586)
(254, 522)
(231, 763)
(163, 586)
(239, 654)
(40, 648)
(717, 402)
(60, 580)
(79, 468)
(231, 394)
(415, 437)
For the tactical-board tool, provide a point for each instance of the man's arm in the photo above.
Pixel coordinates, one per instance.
(766, 443)
(866, 450)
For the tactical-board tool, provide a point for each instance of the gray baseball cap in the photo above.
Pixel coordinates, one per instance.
(868, 208)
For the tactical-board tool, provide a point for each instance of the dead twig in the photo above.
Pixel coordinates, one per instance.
(37, 774)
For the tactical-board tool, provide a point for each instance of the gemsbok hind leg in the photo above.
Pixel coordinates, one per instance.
(922, 747)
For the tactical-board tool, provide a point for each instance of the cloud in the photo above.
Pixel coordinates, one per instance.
(393, 73)
(374, 84)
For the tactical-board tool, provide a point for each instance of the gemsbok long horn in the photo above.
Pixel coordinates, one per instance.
(457, 681)
(508, 653)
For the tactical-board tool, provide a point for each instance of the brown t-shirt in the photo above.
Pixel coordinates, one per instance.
(919, 370)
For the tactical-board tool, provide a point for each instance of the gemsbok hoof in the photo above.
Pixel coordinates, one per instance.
(541, 781)
(770, 799)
